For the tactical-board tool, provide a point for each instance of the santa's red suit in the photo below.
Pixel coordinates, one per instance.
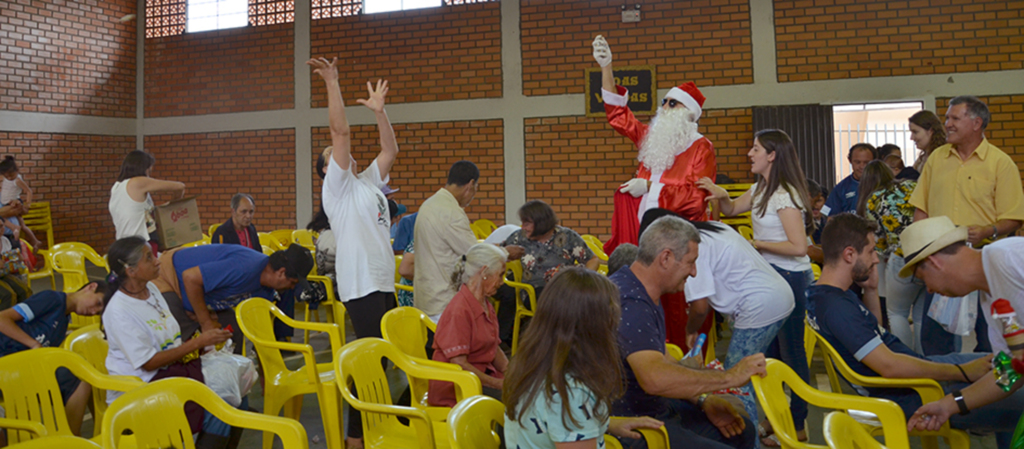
(674, 189)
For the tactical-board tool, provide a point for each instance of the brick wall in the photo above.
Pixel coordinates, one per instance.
(215, 72)
(707, 42)
(67, 57)
(431, 54)
(575, 163)
(426, 152)
(830, 39)
(1006, 129)
(216, 166)
(74, 173)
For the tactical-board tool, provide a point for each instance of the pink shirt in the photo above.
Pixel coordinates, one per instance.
(465, 329)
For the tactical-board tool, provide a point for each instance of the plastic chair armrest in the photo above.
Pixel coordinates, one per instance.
(436, 364)
(407, 288)
(928, 389)
(333, 330)
(105, 381)
(529, 291)
(32, 427)
(659, 434)
(466, 383)
(292, 433)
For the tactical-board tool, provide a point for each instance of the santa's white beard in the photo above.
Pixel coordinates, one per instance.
(670, 133)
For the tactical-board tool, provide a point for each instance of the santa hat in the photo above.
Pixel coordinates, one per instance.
(688, 94)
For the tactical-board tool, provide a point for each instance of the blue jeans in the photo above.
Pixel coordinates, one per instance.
(934, 339)
(902, 296)
(999, 417)
(747, 342)
(688, 427)
(789, 345)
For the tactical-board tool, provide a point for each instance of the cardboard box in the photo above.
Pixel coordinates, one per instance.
(177, 223)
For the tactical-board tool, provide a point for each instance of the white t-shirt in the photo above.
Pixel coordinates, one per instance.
(1003, 262)
(9, 190)
(358, 210)
(769, 227)
(131, 218)
(136, 331)
(737, 281)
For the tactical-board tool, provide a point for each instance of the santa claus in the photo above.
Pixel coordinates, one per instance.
(673, 157)
(672, 154)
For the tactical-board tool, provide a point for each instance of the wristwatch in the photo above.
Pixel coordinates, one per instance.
(958, 397)
(995, 232)
(700, 400)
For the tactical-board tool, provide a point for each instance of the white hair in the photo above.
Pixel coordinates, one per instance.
(479, 256)
(670, 133)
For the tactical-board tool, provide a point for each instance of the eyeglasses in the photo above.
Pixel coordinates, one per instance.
(671, 103)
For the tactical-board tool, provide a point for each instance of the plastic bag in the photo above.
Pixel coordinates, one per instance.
(230, 376)
(955, 315)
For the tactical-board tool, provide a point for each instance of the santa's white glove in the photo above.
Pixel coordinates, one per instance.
(602, 53)
(636, 187)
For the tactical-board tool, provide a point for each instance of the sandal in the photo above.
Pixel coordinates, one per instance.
(768, 438)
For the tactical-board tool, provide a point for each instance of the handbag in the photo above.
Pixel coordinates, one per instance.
(10, 259)
(955, 315)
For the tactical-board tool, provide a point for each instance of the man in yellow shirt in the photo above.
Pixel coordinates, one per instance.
(976, 185)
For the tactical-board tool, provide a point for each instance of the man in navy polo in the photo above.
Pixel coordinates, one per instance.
(843, 198)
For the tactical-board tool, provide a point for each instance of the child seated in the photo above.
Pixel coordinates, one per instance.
(11, 189)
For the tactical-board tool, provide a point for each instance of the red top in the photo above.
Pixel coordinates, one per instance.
(243, 237)
(465, 329)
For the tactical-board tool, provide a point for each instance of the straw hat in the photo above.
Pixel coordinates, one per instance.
(926, 237)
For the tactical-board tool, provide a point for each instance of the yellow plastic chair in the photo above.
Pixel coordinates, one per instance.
(90, 343)
(156, 417)
(398, 262)
(213, 228)
(471, 423)
(203, 241)
(595, 246)
(674, 351)
(817, 270)
(746, 231)
(516, 267)
(843, 432)
(928, 389)
(360, 365)
(336, 311)
(284, 388)
(283, 237)
(775, 403)
(268, 240)
(306, 238)
(59, 441)
(486, 227)
(406, 328)
(68, 259)
(28, 384)
(32, 430)
(268, 250)
(46, 271)
(39, 219)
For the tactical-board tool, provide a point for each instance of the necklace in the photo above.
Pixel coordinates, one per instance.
(156, 306)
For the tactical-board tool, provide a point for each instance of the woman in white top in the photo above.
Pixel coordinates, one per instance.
(130, 204)
(145, 339)
(781, 214)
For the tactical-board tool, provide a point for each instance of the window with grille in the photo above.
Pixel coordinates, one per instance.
(205, 15)
(165, 17)
(323, 9)
(270, 12)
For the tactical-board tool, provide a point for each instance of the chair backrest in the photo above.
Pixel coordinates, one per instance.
(39, 219)
(478, 231)
(306, 238)
(844, 432)
(398, 263)
(283, 237)
(155, 415)
(406, 328)
(471, 423)
(213, 228)
(486, 225)
(746, 231)
(58, 441)
(268, 250)
(90, 343)
(268, 240)
(87, 252)
(256, 320)
(595, 246)
(775, 403)
(29, 386)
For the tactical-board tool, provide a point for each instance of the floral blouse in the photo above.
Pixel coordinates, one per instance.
(892, 210)
(543, 259)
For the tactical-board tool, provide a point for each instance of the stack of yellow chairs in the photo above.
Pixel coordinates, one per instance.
(68, 259)
(736, 191)
(46, 271)
(39, 220)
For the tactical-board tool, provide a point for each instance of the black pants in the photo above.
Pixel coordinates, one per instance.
(366, 313)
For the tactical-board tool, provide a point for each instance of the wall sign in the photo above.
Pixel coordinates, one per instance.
(639, 79)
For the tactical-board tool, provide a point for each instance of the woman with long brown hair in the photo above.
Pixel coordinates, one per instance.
(928, 133)
(781, 216)
(559, 388)
(886, 201)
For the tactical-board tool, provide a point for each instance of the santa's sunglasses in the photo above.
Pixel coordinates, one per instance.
(671, 103)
